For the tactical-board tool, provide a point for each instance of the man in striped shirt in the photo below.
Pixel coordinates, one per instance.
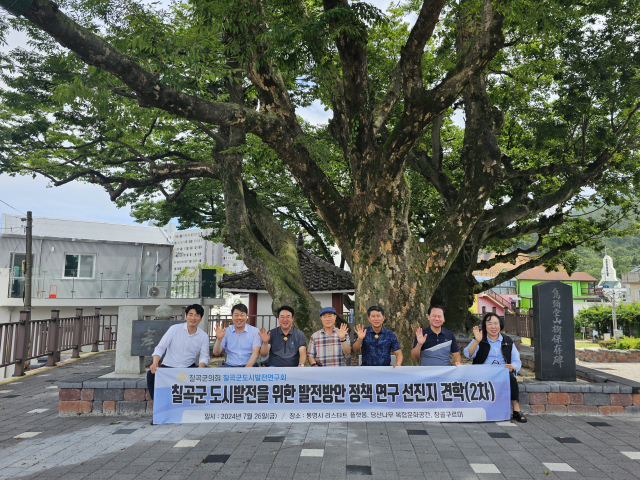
(330, 346)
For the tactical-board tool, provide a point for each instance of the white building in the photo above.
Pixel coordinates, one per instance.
(88, 264)
(191, 249)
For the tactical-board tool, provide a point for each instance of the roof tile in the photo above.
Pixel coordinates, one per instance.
(319, 275)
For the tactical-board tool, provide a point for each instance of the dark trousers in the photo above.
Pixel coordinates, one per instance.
(515, 390)
(151, 379)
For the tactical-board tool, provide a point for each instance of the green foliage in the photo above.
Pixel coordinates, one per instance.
(624, 252)
(190, 273)
(625, 343)
(600, 318)
(567, 83)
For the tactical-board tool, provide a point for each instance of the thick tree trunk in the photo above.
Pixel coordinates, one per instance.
(455, 292)
(389, 266)
(273, 257)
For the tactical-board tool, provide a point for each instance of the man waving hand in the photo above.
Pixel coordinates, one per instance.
(433, 345)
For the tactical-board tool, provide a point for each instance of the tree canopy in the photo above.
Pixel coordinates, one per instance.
(481, 125)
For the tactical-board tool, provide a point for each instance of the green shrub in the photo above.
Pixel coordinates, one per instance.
(607, 344)
(627, 343)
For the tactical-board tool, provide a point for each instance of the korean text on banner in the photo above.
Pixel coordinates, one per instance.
(475, 393)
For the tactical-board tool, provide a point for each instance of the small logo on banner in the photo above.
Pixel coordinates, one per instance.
(182, 376)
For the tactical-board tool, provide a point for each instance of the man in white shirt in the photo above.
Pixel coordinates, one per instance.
(182, 343)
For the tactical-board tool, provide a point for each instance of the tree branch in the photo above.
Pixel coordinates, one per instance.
(420, 112)
(382, 110)
(171, 197)
(150, 92)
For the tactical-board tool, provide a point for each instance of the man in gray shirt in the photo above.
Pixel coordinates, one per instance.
(285, 345)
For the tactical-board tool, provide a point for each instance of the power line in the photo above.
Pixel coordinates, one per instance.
(12, 207)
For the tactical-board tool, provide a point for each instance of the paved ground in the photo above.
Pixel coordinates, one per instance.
(125, 448)
(625, 370)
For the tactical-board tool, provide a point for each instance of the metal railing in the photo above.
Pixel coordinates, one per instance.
(102, 286)
(28, 339)
(519, 324)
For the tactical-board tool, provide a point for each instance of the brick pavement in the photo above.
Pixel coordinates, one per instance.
(549, 446)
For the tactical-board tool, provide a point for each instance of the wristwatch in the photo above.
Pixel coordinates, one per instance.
(341, 341)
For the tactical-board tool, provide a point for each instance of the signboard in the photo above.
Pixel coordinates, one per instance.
(473, 393)
(553, 332)
(146, 334)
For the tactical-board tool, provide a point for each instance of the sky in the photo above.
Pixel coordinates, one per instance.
(80, 201)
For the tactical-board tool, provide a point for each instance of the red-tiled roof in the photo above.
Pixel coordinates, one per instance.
(538, 273)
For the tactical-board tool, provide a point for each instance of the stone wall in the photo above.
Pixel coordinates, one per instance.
(578, 398)
(604, 355)
(104, 397)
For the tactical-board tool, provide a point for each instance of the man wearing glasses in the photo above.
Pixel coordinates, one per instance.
(285, 345)
(377, 342)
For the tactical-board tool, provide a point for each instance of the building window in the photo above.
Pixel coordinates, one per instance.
(79, 266)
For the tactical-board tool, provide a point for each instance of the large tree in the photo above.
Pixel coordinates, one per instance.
(203, 82)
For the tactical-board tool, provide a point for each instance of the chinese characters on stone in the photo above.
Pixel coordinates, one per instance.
(557, 328)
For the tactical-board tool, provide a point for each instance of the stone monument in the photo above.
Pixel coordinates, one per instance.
(146, 334)
(554, 340)
(126, 363)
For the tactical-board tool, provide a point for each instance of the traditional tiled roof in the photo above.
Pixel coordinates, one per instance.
(319, 275)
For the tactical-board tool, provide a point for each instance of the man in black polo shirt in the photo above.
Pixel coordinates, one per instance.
(432, 346)
(285, 345)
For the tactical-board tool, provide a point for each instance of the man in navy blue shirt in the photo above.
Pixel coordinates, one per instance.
(377, 342)
(432, 346)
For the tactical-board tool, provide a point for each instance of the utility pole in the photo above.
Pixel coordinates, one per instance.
(29, 262)
(23, 345)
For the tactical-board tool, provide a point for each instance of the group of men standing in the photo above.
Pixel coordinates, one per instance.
(286, 346)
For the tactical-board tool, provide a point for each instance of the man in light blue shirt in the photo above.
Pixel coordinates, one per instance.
(241, 341)
(490, 347)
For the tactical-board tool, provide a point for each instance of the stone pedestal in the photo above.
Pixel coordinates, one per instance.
(125, 363)
(555, 348)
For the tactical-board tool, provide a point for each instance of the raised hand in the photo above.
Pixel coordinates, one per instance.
(342, 331)
(420, 336)
(220, 331)
(264, 335)
(361, 332)
(477, 333)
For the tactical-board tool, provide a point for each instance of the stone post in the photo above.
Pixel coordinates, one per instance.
(125, 363)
